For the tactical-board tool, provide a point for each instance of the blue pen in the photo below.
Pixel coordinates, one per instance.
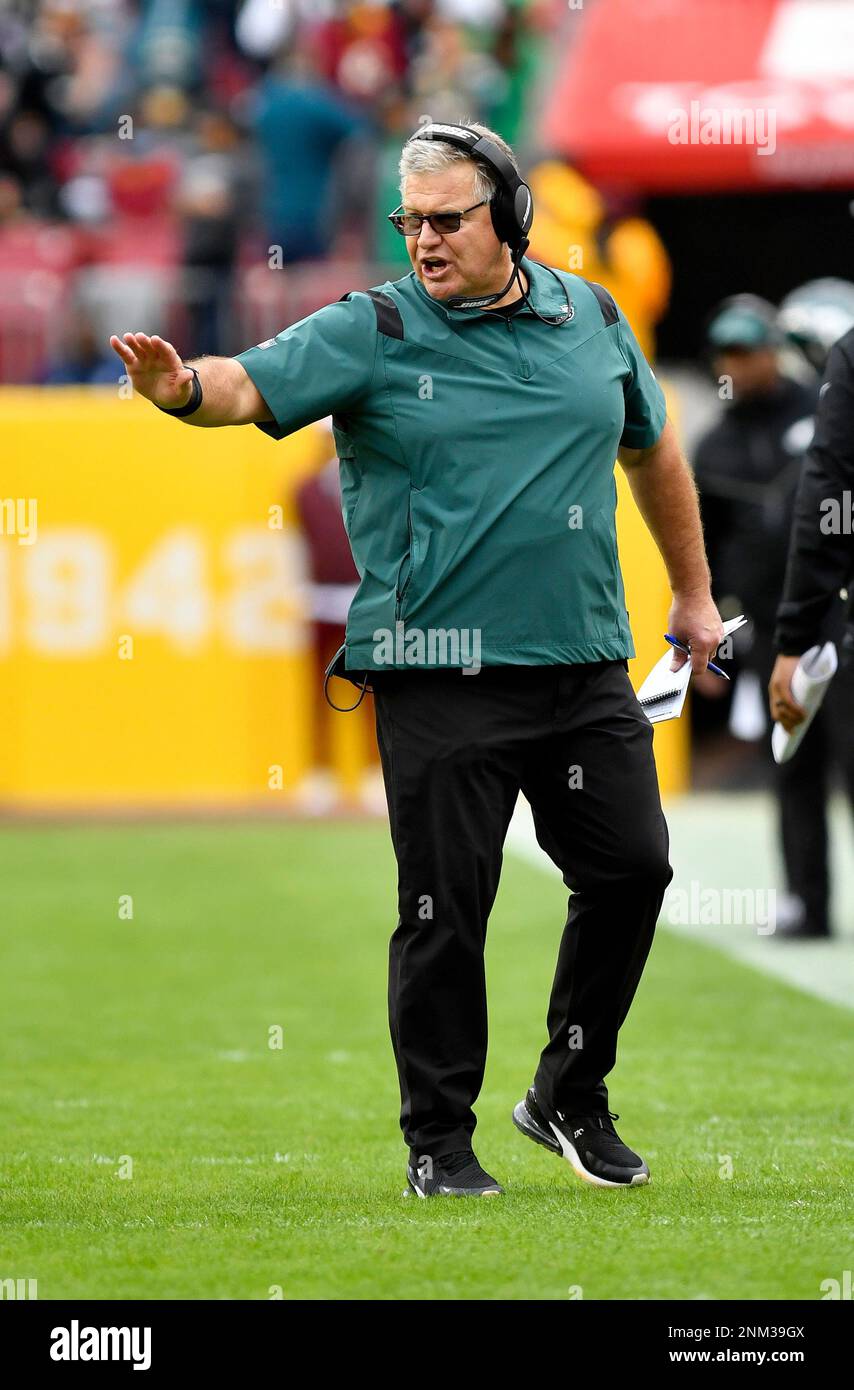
(676, 642)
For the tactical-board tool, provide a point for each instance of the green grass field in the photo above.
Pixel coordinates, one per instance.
(254, 1168)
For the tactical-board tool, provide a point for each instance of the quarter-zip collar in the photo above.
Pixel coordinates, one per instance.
(545, 292)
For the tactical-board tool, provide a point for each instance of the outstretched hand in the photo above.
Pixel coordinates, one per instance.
(155, 369)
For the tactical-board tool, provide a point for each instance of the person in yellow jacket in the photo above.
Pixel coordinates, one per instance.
(627, 256)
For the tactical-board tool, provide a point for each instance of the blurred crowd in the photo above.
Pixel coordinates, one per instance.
(159, 158)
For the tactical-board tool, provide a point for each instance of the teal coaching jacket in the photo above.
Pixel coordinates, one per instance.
(477, 458)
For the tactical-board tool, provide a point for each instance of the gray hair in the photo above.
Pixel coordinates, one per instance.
(435, 155)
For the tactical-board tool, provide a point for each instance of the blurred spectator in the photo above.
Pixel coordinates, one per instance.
(451, 74)
(26, 154)
(216, 190)
(389, 247)
(263, 29)
(299, 124)
(518, 49)
(82, 359)
(361, 50)
(169, 46)
(67, 61)
(152, 150)
(12, 211)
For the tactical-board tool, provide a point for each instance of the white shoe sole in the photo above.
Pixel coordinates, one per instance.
(570, 1153)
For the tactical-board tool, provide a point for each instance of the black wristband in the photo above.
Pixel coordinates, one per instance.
(192, 404)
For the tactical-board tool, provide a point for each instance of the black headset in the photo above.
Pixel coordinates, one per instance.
(511, 208)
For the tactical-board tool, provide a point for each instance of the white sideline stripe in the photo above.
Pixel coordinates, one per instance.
(708, 830)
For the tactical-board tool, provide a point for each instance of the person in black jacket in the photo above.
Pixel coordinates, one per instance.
(748, 464)
(747, 470)
(818, 581)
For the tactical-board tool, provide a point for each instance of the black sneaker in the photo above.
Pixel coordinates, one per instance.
(452, 1175)
(588, 1142)
(802, 931)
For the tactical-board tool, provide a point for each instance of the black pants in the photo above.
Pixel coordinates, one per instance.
(803, 784)
(456, 750)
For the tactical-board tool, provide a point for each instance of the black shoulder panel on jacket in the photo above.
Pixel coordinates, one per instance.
(389, 320)
(606, 303)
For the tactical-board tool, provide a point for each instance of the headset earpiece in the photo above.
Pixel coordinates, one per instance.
(502, 224)
(524, 208)
(512, 215)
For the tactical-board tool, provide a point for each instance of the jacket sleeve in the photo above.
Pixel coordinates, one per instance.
(646, 411)
(322, 365)
(821, 547)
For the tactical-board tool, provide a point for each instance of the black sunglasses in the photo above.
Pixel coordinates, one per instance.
(410, 223)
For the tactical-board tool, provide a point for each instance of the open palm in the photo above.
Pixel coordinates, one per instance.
(155, 369)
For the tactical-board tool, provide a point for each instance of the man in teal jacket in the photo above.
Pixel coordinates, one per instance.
(479, 404)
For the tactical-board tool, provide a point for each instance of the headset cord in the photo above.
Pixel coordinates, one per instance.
(558, 319)
(364, 689)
